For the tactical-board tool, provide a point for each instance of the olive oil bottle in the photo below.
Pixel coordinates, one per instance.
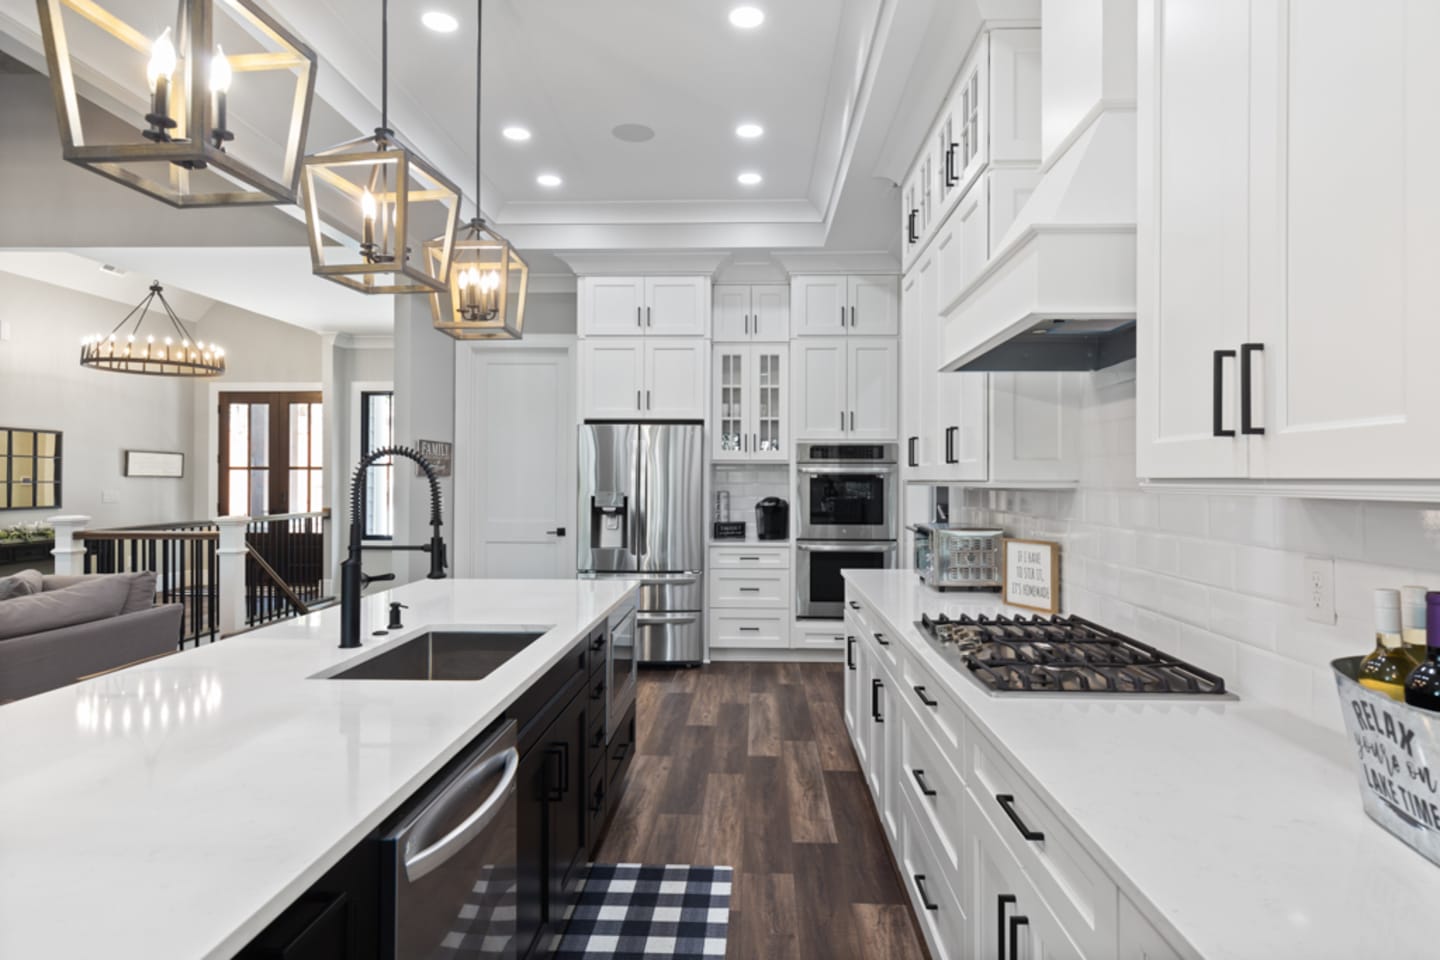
(1387, 666)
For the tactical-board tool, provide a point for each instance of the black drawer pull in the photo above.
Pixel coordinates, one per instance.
(875, 688)
(854, 605)
(924, 787)
(624, 749)
(598, 802)
(880, 639)
(1003, 900)
(751, 559)
(749, 629)
(920, 692)
(598, 643)
(850, 652)
(924, 894)
(599, 739)
(749, 589)
(1016, 922)
(599, 691)
(1007, 803)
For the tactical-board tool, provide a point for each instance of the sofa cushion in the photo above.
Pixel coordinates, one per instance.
(21, 584)
(142, 587)
(95, 599)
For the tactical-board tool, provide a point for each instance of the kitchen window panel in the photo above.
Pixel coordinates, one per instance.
(377, 431)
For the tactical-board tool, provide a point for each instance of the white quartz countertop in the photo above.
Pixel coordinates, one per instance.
(1234, 824)
(175, 808)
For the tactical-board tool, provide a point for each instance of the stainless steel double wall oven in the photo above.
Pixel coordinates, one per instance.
(848, 519)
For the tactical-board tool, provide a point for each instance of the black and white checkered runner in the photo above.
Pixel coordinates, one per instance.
(630, 911)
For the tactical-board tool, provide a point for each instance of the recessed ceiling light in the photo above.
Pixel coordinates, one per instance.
(747, 18)
(749, 179)
(548, 180)
(633, 133)
(440, 22)
(749, 131)
(515, 133)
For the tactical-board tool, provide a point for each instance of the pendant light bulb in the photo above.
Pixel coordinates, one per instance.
(162, 60)
(490, 282)
(220, 74)
(367, 206)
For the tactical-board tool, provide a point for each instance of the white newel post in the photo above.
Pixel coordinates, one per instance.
(69, 552)
(230, 556)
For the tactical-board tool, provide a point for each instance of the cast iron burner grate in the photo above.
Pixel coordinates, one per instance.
(1063, 655)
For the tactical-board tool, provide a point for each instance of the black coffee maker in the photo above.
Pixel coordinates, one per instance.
(772, 519)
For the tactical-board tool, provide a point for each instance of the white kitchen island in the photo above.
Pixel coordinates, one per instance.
(175, 808)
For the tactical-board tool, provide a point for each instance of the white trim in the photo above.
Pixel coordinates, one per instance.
(212, 422)
(777, 655)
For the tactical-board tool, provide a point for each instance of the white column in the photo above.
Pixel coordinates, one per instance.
(230, 556)
(69, 553)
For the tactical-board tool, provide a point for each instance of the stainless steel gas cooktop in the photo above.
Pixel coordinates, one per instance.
(1063, 655)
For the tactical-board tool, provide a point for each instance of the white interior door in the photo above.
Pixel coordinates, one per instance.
(522, 443)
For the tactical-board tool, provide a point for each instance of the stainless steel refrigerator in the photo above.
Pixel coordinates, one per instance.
(642, 517)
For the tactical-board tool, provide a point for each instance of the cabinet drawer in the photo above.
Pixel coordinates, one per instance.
(936, 794)
(743, 628)
(938, 712)
(822, 635)
(883, 643)
(938, 907)
(1079, 893)
(750, 558)
(750, 588)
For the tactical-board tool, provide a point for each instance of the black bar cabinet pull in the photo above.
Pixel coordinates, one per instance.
(880, 639)
(875, 687)
(1217, 390)
(950, 178)
(924, 894)
(1007, 803)
(555, 787)
(852, 315)
(638, 321)
(647, 399)
(854, 605)
(598, 802)
(914, 457)
(648, 321)
(924, 786)
(599, 691)
(1016, 922)
(598, 643)
(637, 401)
(1003, 900)
(910, 226)
(950, 444)
(1247, 350)
(920, 692)
(850, 652)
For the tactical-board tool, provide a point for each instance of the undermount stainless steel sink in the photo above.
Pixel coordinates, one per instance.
(444, 655)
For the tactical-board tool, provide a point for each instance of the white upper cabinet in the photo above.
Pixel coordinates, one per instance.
(845, 388)
(760, 312)
(1285, 331)
(750, 403)
(837, 306)
(644, 306)
(633, 378)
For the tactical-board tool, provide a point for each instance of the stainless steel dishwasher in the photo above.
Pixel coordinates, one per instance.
(449, 860)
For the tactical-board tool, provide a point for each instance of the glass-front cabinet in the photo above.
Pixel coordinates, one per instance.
(751, 401)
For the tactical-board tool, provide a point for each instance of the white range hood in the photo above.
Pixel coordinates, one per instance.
(1059, 291)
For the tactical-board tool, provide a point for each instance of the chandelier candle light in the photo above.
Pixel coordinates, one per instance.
(485, 269)
(396, 193)
(180, 154)
(125, 353)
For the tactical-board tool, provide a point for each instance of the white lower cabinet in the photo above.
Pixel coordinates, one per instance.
(748, 592)
(1138, 939)
(817, 635)
(939, 908)
(748, 629)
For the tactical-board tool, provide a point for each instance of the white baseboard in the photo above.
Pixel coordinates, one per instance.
(778, 655)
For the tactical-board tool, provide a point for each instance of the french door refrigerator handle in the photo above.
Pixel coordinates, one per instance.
(1217, 393)
(419, 864)
(1247, 350)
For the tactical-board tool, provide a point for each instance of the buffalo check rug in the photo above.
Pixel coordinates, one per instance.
(630, 911)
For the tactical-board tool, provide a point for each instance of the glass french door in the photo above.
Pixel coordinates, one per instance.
(272, 453)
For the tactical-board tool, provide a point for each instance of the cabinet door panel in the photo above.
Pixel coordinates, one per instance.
(1350, 331)
(1014, 106)
(873, 389)
(818, 370)
(925, 373)
(770, 402)
(676, 306)
(675, 379)
(964, 425)
(1193, 281)
(614, 376)
(1034, 426)
(729, 411)
(731, 306)
(818, 306)
(874, 305)
(912, 361)
(770, 313)
(612, 306)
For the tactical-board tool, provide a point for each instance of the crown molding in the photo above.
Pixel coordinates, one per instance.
(838, 261)
(550, 283)
(547, 212)
(601, 263)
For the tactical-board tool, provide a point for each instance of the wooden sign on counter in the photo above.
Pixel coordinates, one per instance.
(1032, 575)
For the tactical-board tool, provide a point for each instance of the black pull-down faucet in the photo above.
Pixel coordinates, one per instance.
(352, 578)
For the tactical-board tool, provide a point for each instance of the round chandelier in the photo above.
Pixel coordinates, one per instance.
(172, 356)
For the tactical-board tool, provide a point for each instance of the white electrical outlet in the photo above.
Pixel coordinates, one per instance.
(1320, 589)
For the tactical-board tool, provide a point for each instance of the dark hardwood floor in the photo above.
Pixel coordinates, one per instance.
(749, 765)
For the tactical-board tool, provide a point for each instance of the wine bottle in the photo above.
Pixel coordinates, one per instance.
(1412, 621)
(1387, 666)
(1422, 689)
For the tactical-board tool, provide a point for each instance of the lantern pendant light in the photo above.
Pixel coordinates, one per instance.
(388, 193)
(185, 153)
(175, 356)
(485, 299)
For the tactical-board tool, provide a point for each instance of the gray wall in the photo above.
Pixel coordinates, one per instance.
(550, 313)
(42, 385)
(424, 410)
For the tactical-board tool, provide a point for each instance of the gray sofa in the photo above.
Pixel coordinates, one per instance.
(77, 626)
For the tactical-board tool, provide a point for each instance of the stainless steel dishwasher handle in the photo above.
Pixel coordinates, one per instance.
(665, 619)
(419, 864)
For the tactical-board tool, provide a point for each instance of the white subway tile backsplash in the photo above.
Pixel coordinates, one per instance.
(1216, 579)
